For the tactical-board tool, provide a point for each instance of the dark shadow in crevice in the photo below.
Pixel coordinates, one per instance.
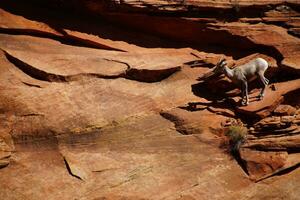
(292, 98)
(280, 172)
(192, 107)
(60, 18)
(34, 72)
(285, 74)
(177, 121)
(201, 36)
(199, 63)
(70, 170)
(232, 150)
(288, 170)
(239, 161)
(64, 39)
(141, 75)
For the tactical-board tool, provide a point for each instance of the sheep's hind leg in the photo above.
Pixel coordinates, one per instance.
(265, 82)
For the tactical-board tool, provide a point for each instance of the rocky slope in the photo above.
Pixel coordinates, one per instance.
(102, 100)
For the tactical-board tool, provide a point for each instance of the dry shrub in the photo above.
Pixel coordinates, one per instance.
(232, 138)
(236, 136)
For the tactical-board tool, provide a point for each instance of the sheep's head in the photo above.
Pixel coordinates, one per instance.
(219, 68)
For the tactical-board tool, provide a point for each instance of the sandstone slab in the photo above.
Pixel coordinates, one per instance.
(271, 100)
(260, 164)
(102, 107)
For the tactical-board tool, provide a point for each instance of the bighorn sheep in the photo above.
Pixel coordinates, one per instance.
(243, 74)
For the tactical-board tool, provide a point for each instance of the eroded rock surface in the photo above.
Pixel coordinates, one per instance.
(102, 100)
(272, 146)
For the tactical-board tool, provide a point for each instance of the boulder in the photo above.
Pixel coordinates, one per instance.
(260, 164)
(285, 110)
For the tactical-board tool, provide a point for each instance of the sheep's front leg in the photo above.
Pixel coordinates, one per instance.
(245, 93)
(242, 92)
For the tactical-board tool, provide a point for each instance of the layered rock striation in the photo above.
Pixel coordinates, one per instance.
(102, 99)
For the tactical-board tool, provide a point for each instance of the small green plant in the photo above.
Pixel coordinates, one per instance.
(236, 135)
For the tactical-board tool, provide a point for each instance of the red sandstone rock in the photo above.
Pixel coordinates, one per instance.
(5, 154)
(172, 6)
(6, 147)
(285, 44)
(264, 164)
(271, 146)
(16, 23)
(187, 122)
(285, 110)
(105, 113)
(271, 100)
(276, 143)
(260, 164)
